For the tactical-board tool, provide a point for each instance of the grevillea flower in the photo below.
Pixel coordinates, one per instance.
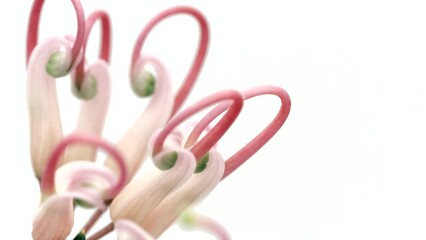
(188, 165)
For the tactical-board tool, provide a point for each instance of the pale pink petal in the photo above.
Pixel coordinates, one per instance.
(128, 230)
(140, 197)
(134, 142)
(195, 189)
(45, 124)
(54, 219)
(93, 111)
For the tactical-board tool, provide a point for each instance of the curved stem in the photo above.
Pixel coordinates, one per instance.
(48, 180)
(33, 24)
(242, 155)
(209, 140)
(203, 124)
(236, 160)
(104, 50)
(190, 78)
(93, 219)
(104, 231)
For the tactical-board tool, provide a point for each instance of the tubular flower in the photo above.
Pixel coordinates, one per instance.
(188, 165)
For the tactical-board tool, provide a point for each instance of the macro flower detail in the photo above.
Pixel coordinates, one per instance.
(188, 163)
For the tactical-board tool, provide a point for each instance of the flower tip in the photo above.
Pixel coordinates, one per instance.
(58, 65)
(143, 83)
(202, 164)
(86, 89)
(166, 161)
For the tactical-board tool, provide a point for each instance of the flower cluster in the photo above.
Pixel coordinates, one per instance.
(189, 166)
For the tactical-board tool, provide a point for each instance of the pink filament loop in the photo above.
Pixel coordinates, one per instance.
(48, 180)
(200, 148)
(242, 155)
(33, 24)
(104, 51)
(190, 78)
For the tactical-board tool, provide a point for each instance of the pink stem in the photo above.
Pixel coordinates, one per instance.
(95, 217)
(190, 78)
(105, 48)
(48, 180)
(209, 140)
(203, 124)
(32, 34)
(102, 232)
(236, 160)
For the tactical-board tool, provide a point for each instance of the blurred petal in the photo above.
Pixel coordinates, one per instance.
(54, 219)
(128, 230)
(196, 188)
(140, 197)
(192, 221)
(86, 181)
(93, 111)
(45, 123)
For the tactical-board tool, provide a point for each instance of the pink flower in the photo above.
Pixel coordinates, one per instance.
(188, 164)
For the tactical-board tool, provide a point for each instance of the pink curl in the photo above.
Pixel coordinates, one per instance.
(242, 155)
(33, 24)
(190, 78)
(48, 180)
(105, 48)
(200, 148)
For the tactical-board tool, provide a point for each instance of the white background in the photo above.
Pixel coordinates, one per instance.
(348, 164)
